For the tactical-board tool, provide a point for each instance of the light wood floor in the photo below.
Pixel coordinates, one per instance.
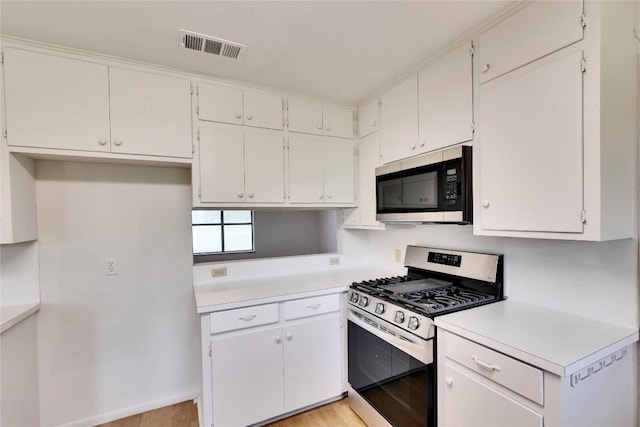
(185, 414)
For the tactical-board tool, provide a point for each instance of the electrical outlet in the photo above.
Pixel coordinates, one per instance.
(398, 255)
(219, 272)
(334, 260)
(111, 266)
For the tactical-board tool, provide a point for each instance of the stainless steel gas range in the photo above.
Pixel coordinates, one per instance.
(392, 337)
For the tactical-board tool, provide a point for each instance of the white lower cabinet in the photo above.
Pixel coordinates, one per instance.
(481, 387)
(271, 359)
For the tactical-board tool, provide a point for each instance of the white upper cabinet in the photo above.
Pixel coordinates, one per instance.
(368, 118)
(445, 100)
(62, 103)
(320, 119)
(321, 170)
(226, 104)
(221, 164)
(399, 121)
(55, 102)
(533, 32)
(531, 157)
(555, 137)
(240, 165)
(150, 114)
(368, 159)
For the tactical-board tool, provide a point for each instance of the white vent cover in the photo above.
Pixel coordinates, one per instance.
(212, 45)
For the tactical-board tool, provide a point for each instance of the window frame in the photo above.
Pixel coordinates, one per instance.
(210, 256)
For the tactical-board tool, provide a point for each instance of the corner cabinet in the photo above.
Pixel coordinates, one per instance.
(557, 123)
(263, 361)
(60, 103)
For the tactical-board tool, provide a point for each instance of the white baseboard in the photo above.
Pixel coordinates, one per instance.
(131, 410)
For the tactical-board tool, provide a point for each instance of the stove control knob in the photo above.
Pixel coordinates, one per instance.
(398, 317)
(379, 308)
(414, 323)
(354, 297)
(364, 301)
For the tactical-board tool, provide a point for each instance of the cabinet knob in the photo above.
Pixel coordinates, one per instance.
(288, 336)
(319, 126)
(278, 339)
(421, 143)
(413, 146)
(250, 195)
(117, 142)
(485, 203)
(375, 123)
(240, 195)
(102, 141)
(249, 117)
(327, 127)
(328, 196)
(320, 196)
(486, 68)
(238, 116)
(448, 381)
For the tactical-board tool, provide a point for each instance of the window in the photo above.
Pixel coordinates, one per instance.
(218, 232)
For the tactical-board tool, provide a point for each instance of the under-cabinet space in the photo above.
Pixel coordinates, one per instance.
(60, 103)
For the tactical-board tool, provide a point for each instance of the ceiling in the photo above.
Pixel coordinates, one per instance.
(335, 50)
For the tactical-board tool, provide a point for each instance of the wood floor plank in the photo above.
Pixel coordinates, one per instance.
(185, 414)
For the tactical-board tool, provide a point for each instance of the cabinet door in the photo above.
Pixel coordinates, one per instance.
(221, 165)
(368, 119)
(305, 169)
(368, 161)
(338, 121)
(246, 374)
(531, 170)
(264, 167)
(483, 405)
(54, 102)
(446, 101)
(305, 116)
(312, 362)
(399, 121)
(220, 103)
(537, 30)
(338, 172)
(150, 114)
(263, 110)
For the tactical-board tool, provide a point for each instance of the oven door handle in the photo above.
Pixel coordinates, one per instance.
(416, 347)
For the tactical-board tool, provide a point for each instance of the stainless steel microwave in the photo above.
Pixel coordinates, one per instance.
(434, 187)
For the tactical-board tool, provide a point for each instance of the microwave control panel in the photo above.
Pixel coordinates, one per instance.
(451, 185)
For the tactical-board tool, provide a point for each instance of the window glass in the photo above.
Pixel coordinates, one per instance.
(237, 217)
(207, 239)
(218, 232)
(206, 217)
(238, 238)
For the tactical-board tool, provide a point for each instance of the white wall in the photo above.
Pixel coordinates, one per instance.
(596, 280)
(110, 346)
(19, 274)
(19, 375)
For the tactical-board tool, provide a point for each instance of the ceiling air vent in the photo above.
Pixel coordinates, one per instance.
(212, 45)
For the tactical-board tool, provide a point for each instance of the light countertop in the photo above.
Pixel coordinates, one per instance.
(232, 294)
(555, 341)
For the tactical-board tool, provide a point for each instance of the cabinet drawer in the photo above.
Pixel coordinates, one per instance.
(311, 306)
(537, 30)
(511, 373)
(241, 318)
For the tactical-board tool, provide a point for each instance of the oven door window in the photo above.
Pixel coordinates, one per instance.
(394, 383)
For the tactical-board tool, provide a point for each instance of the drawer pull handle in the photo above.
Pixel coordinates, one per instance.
(247, 317)
(486, 365)
(314, 306)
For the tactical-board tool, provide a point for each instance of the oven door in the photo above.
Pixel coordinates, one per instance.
(391, 370)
